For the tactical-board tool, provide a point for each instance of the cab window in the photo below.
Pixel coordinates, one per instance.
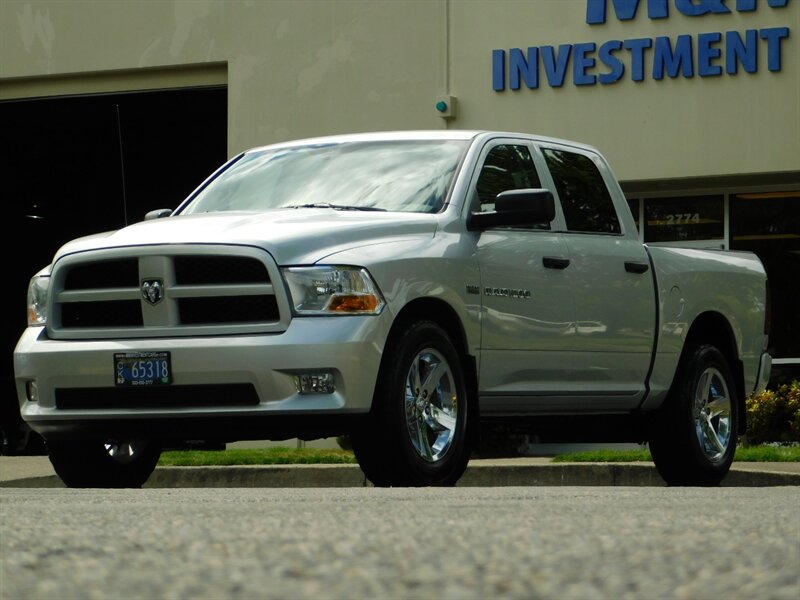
(507, 167)
(585, 200)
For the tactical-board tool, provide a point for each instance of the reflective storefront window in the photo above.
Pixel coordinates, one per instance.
(685, 218)
(769, 225)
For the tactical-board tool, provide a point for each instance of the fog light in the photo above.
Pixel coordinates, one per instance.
(315, 383)
(32, 391)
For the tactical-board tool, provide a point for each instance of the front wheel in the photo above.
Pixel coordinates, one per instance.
(104, 464)
(694, 436)
(416, 434)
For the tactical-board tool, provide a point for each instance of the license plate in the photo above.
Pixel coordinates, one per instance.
(142, 368)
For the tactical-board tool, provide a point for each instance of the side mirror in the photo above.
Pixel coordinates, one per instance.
(158, 213)
(516, 207)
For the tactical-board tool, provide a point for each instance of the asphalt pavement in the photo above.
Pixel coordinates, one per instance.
(560, 543)
(36, 471)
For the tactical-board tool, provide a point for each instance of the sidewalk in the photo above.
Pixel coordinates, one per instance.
(36, 471)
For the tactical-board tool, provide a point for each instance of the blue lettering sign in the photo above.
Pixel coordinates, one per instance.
(498, 70)
(612, 62)
(528, 67)
(774, 35)
(555, 67)
(748, 5)
(582, 63)
(741, 51)
(707, 52)
(625, 10)
(637, 48)
(682, 56)
(665, 59)
(697, 8)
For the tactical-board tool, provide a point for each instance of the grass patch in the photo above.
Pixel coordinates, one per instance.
(743, 454)
(768, 454)
(308, 456)
(605, 456)
(256, 456)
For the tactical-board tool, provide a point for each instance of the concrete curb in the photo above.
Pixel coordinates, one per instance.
(477, 475)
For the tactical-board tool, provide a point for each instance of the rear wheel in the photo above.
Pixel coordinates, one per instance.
(416, 434)
(104, 464)
(694, 436)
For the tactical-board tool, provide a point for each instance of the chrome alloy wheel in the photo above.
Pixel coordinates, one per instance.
(122, 452)
(712, 414)
(431, 405)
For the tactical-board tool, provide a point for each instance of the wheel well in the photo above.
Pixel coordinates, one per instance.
(713, 328)
(440, 313)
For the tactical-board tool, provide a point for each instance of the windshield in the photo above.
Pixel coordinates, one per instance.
(407, 176)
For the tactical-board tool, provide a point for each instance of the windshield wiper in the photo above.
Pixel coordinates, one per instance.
(335, 206)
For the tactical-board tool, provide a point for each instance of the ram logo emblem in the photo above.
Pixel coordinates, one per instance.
(153, 290)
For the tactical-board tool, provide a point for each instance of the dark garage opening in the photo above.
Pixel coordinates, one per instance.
(78, 165)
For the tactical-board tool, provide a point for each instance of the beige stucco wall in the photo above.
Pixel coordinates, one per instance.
(302, 68)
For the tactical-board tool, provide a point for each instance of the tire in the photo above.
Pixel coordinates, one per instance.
(416, 433)
(694, 434)
(104, 464)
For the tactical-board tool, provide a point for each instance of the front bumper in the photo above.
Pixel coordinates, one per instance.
(349, 347)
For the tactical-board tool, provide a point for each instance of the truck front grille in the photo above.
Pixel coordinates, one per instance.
(112, 313)
(193, 270)
(164, 291)
(198, 311)
(103, 275)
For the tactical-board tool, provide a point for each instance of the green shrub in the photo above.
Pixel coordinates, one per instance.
(774, 416)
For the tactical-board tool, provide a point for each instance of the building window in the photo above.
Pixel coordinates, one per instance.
(772, 218)
(684, 218)
(769, 224)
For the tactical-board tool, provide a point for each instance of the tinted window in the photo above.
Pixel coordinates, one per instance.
(506, 167)
(584, 196)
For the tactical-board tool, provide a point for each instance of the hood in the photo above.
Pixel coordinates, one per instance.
(292, 236)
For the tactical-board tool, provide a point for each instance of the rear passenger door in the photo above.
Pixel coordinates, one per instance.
(613, 297)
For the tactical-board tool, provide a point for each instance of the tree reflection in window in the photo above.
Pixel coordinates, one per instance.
(587, 205)
(507, 167)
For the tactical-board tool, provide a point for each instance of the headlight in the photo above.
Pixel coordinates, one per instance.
(333, 291)
(37, 298)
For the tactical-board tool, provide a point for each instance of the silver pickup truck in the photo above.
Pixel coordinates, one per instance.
(405, 289)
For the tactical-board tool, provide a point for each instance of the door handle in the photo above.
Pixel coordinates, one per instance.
(551, 262)
(636, 267)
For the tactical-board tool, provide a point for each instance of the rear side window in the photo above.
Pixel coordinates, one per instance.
(587, 205)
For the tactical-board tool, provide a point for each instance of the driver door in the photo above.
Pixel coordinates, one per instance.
(526, 323)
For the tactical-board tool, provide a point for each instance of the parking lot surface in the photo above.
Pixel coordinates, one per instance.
(516, 542)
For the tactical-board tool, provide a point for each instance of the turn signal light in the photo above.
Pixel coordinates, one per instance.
(353, 303)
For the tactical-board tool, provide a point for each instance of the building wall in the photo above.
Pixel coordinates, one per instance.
(306, 68)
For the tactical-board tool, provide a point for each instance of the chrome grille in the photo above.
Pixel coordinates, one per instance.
(205, 290)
